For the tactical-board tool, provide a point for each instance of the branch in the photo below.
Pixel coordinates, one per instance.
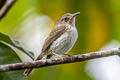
(5, 6)
(51, 62)
(2, 2)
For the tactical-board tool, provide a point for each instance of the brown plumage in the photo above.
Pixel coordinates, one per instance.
(54, 34)
(64, 23)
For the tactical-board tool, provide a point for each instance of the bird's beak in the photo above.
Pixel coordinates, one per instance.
(75, 14)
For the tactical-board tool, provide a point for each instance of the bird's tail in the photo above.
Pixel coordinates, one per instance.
(27, 72)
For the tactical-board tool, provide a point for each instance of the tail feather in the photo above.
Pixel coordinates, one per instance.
(27, 72)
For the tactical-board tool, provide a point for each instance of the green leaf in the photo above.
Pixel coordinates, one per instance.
(16, 44)
(8, 56)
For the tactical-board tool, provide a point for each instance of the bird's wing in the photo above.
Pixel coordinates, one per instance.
(54, 34)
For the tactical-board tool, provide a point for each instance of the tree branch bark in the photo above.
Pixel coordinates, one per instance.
(5, 6)
(64, 60)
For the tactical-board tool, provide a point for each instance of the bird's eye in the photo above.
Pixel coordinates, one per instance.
(66, 19)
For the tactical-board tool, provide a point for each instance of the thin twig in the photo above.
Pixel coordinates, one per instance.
(51, 62)
(7, 4)
(2, 2)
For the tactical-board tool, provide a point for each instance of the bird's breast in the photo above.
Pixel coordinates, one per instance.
(65, 42)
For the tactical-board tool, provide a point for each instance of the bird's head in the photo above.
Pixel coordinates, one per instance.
(68, 18)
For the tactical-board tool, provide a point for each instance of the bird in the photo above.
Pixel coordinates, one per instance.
(60, 40)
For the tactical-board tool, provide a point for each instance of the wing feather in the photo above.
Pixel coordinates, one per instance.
(54, 34)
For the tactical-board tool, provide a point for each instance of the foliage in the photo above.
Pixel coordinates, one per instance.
(97, 24)
(8, 55)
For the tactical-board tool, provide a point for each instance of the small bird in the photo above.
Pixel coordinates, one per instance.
(60, 40)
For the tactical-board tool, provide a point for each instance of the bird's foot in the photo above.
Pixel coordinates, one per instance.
(67, 55)
(56, 56)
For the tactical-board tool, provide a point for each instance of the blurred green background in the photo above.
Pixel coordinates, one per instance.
(29, 21)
